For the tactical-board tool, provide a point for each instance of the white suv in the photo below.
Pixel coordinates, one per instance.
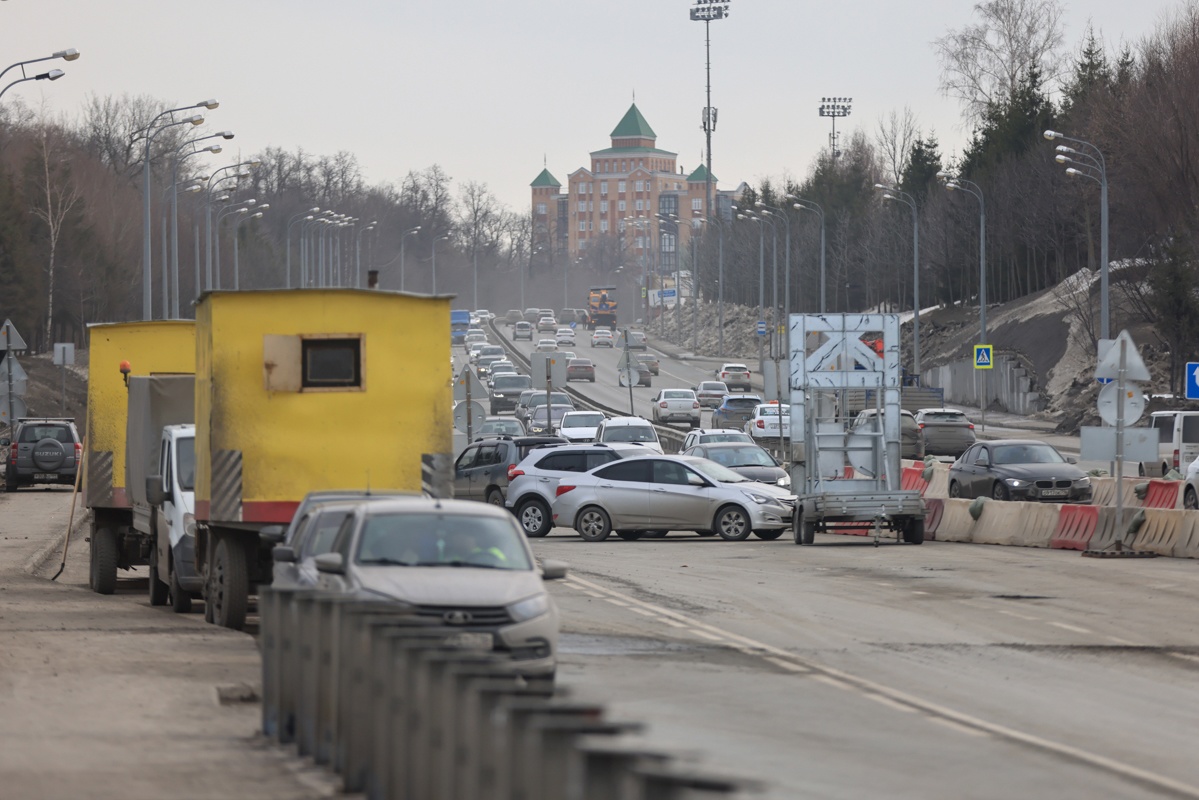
(629, 429)
(711, 435)
(676, 405)
(735, 376)
(533, 482)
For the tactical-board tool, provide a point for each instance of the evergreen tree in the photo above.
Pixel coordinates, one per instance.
(924, 162)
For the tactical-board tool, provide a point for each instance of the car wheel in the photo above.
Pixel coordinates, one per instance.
(732, 524)
(593, 524)
(955, 490)
(1189, 500)
(535, 519)
(158, 589)
(913, 532)
(1000, 492)
(104, 556)
(769, 536)
(230, 584)
(630, 536)
(495, 498)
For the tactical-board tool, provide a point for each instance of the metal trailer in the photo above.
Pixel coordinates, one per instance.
(829, 356)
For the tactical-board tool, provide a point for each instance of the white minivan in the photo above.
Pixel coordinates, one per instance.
(1178, 442)
(629, 429)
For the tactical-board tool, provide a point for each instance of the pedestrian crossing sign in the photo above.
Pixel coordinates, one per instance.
(984, 356)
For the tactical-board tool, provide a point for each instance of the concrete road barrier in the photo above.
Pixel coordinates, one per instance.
(956, 524)
(1161, 530)
(1103, 491)
(1187, 543)
(1076, 525)
(934, 511)
(1017, 524)
(1163, 494)
(939, 485)
(1109, 530)
(912, 480)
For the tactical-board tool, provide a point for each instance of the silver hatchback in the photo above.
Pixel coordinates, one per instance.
(634, 496)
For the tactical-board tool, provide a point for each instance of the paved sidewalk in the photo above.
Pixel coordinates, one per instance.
(107, 697)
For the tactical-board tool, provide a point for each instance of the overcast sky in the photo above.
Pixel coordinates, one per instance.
(487, 89)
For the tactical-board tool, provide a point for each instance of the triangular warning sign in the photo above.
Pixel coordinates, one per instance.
(1109, 359)
(9, 338)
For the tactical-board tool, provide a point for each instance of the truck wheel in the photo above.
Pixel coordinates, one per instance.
(805, 529)
(105, 553)
(181, 599)
(230, 584)
(913, 532)
(732, 524)
(158, 590)
(535, 519)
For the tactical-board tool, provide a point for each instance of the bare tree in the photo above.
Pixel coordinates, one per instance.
(57, 194)
(893, 140)
(982, 63)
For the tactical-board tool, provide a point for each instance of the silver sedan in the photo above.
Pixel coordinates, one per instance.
(635, 496)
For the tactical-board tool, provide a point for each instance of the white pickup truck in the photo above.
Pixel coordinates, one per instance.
(676, 405)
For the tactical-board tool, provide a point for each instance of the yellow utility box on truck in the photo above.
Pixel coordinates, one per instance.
(306, 390)
(149, 348)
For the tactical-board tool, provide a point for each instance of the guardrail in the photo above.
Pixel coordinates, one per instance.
(401, 706)
(671, 438)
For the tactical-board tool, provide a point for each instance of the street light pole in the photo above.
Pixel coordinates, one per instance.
(435, 241)
(706, 11)
(1095, 168)
(894, 194)
(781, 214)
(801, 204)
(66, 55)
(212, 184)
(954, 183)
(236, 266)
(761, 276)
(303, 216)
(213, 148)
(408, 233)
(358, 254)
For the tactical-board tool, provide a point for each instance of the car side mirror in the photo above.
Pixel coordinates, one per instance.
(155, 494)
(5, 442)
(284, 554)
(695, 480)
(273, 534)
(1071, 460)
(330, 564)
(554, 570)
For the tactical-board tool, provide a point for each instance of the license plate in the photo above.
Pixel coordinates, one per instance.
(1055, 492)
(469, 641)
(45, 476)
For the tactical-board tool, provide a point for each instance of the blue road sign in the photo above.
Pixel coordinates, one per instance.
(668, 293)
(1193, 380)
(1104, 380)
(761, 327)
(984, 356)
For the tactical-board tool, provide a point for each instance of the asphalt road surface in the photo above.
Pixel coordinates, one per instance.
(843, 670)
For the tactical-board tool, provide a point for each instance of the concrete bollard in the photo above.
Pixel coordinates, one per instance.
(605, 769)
(288, 666)
(547, 749)
(483, 703)
(457, 757)
(270, 608)
(675, 782)
(509, 728)
(306, 635)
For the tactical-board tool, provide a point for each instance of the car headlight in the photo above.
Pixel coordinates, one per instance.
(497, 395)
(760, 499)
(1015, 483)
(1083, 483)
(189, 525)
(530, 608)
(784, 481)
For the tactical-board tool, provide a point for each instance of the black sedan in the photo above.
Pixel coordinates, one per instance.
(1018, 469)
(747, 460)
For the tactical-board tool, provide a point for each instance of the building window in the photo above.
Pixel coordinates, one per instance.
(583, 245)
(603, 206)
(640, 186)
(620, 187)
(697, 204)
(590, 205)
(668, 243)
(582, 225)
(621, 206)
(640, 205)
(331, 363)
(541, 209)
(582, 206)
(620, 226)
(640, 242)
(603, 187)
(603, 226)
(624, 167)
(590, 226)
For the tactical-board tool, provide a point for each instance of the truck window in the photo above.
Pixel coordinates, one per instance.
(331, 363)
(185, 464)
(1190, 429)
(1165, 427)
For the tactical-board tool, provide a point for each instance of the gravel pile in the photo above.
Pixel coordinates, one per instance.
(740, 325)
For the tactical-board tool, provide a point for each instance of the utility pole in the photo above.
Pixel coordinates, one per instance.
(834, 108)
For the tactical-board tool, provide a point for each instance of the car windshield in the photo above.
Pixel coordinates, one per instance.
(185, 463)
(945, 416)
(501, 426)
(579, 362)
(583, 420)
(630, 433)
(507, 383)
(1033, 453)
(556, 411)
(724, 437)
(716, 472)
(713, 386)
(441, 540)
(35, 433)
(735, 368)
(742, 403)
(748, 456)
(555, 399)
(772, 411)
(678, 394)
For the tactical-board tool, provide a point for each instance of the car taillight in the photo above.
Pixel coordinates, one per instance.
(695, 404)
(761, 423)
(561, 490)
(662, 405)
(514, 472)
(920, 426)
(971, 426)
(1175, 459)
(78, 454)
(724, 374)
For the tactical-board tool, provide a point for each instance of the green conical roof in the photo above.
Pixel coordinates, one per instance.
(545, 179)
(633, 125)
(700, 175)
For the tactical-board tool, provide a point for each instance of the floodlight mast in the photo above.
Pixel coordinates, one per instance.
(835, 108)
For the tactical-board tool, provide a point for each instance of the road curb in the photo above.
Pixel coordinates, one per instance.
(43, 554)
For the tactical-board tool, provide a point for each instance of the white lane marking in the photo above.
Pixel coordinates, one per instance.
(1067, 626)
(643, 612)
(882, 583)
(1118, 640)
(615, 602)
(916, 592)
(936, 711)
(1019, 616)
(1186, 656)
(790, 666)
(832, 682)
(672, 623)
(887, 701)
(707, 635)
(966, 729)
(592, 594)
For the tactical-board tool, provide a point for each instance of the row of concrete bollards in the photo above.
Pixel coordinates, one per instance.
(404, 707)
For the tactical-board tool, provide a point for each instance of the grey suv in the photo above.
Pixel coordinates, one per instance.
(44, 450)
(481, 472)
(533, 482)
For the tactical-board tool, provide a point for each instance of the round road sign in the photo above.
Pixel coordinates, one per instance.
(629, 377)
(478, 414)
(1134, 403)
